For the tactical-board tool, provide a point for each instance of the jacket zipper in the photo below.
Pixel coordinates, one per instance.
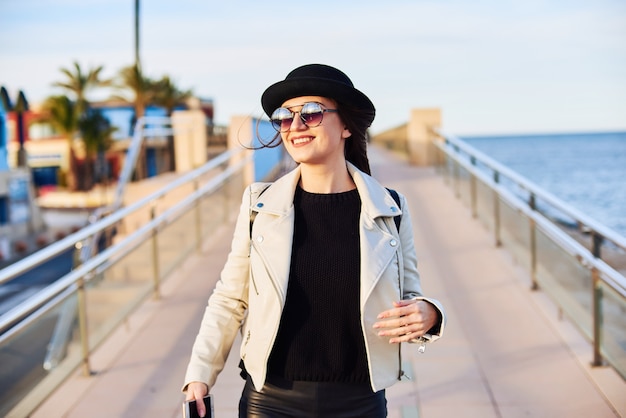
(400, 371)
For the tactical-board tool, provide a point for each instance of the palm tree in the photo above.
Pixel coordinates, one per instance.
(61, 113)
(142, 92)
(168, 96)
(79, 83)
(97, 134)
(141, 89)
(65, 114)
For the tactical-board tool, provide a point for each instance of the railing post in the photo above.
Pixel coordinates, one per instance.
(155, 256)
(597, 241)
(473, 197)
(597, 301)
(496, 209)
(597, 317)
(81, 295)
(532, 203)
(446, 170)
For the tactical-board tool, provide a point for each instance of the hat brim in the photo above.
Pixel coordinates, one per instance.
(276, 94)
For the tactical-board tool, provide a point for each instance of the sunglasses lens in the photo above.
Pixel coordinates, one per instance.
(282, 119)
(312, 114)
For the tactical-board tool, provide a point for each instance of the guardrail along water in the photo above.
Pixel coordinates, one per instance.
(581, 268)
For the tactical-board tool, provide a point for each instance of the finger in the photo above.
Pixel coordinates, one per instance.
(201, 392)
(395, 326)
(404, 302)
(405, 338)
(200, 406)
(402, 308)
(191, 394)
(197, 391)
(403, 333)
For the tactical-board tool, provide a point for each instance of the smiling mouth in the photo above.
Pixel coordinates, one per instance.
(300, 141)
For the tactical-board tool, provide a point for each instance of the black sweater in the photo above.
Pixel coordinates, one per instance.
(320, 337)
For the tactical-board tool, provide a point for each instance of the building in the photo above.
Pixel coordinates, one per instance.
(19, 215)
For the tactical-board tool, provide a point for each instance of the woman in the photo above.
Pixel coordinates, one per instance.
(323, 284)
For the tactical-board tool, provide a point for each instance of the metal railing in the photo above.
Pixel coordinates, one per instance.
(78, 311)
(579, 264)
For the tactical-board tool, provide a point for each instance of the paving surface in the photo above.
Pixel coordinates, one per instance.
(504, 353)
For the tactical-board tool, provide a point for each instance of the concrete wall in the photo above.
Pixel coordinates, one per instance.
(420, 135)
(414, 138)
(190, 139)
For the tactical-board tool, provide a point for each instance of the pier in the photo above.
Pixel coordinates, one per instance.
(505, 352)
(113, 336)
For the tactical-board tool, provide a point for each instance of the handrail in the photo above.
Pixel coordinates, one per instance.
(146, 127)
(611, 276)
(531, 187)
(142, 130)
(596, 315)
(50, 291)
(55, 249)
(79, 310)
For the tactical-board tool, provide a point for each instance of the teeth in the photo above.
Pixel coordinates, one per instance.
(298, 141)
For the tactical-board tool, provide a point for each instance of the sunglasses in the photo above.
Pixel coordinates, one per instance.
(311, 115)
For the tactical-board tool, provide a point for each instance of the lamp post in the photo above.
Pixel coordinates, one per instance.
(137, 60)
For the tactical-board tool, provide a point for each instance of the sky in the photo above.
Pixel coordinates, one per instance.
(492, 67)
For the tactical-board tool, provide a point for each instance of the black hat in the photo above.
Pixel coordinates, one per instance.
(315, 80)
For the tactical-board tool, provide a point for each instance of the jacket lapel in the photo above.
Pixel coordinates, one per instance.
(274, 227)
(378, 243)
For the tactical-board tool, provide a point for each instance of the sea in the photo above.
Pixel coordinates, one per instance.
(585, 170)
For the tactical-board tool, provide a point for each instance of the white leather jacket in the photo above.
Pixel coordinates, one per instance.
(250, 294)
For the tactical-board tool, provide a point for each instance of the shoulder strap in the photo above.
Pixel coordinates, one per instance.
(398, 218)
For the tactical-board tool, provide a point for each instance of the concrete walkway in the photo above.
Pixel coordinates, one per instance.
(504, 354)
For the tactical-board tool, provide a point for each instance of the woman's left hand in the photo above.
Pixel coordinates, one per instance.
(408, 320)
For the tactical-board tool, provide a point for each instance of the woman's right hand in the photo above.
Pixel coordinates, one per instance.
(197, 391)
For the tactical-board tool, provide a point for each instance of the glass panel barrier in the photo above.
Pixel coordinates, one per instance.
(22, 358)
(464, 186)
(565, 277)
(515, 233)
(484, 204)
(566, 281)
(613, 328)
(118, 290)
(116, 285)
(176, 241)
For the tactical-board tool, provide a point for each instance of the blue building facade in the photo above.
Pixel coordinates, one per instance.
(4, 135)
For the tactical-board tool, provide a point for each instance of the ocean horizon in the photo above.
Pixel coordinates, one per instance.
(584, 170)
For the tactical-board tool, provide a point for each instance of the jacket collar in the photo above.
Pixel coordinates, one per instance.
(376, 201)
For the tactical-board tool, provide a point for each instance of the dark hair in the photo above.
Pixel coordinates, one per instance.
(357, 121)
(355, 149)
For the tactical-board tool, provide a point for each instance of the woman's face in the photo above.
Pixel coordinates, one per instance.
(322, 144)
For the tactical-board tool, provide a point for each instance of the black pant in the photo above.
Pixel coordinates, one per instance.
(283, 399)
